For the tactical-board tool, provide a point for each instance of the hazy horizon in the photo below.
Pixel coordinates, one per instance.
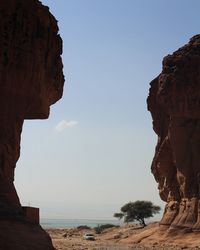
(94, 152)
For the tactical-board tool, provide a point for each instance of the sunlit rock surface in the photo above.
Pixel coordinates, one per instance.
(31, 80)
(174, 103)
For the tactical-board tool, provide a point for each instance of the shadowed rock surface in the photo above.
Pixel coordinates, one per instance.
(31, 80)
(174, 102)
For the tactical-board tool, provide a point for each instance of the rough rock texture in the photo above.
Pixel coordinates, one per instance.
(174, 102)
(17, 235)
(31, 79)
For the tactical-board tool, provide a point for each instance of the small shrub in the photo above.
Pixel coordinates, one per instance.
(83, 227)
(100, 228)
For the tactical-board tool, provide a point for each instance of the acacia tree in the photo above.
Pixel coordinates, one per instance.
(138, 211)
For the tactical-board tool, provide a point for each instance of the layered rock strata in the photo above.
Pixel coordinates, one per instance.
(31, 80)
(174, 103)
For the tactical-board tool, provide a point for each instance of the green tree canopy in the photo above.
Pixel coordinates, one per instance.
(138, 211)
(118, 215)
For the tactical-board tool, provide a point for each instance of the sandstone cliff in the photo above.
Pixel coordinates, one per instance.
(31, 80)
(174, 102)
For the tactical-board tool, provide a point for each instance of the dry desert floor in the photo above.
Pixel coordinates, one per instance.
(126, 237)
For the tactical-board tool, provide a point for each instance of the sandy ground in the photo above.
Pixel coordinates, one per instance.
(127, 237)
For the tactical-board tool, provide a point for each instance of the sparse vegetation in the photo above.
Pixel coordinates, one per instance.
(100, 228)
(138, 211)
(83, 227)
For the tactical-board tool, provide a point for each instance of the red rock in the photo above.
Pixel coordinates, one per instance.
(18, 235)
(174, 102)
(31, 80)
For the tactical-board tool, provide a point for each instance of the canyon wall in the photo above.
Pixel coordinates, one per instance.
(31, 79)
(174, 103)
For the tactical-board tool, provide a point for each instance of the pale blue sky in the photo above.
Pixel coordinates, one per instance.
(102, 159)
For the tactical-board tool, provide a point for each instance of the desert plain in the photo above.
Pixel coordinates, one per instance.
(127, 237)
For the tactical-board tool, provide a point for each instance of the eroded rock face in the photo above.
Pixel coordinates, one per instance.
(31, 80)
(174, 102)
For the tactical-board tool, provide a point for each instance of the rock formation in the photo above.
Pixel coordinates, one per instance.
(31, 80)
(174, 102)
